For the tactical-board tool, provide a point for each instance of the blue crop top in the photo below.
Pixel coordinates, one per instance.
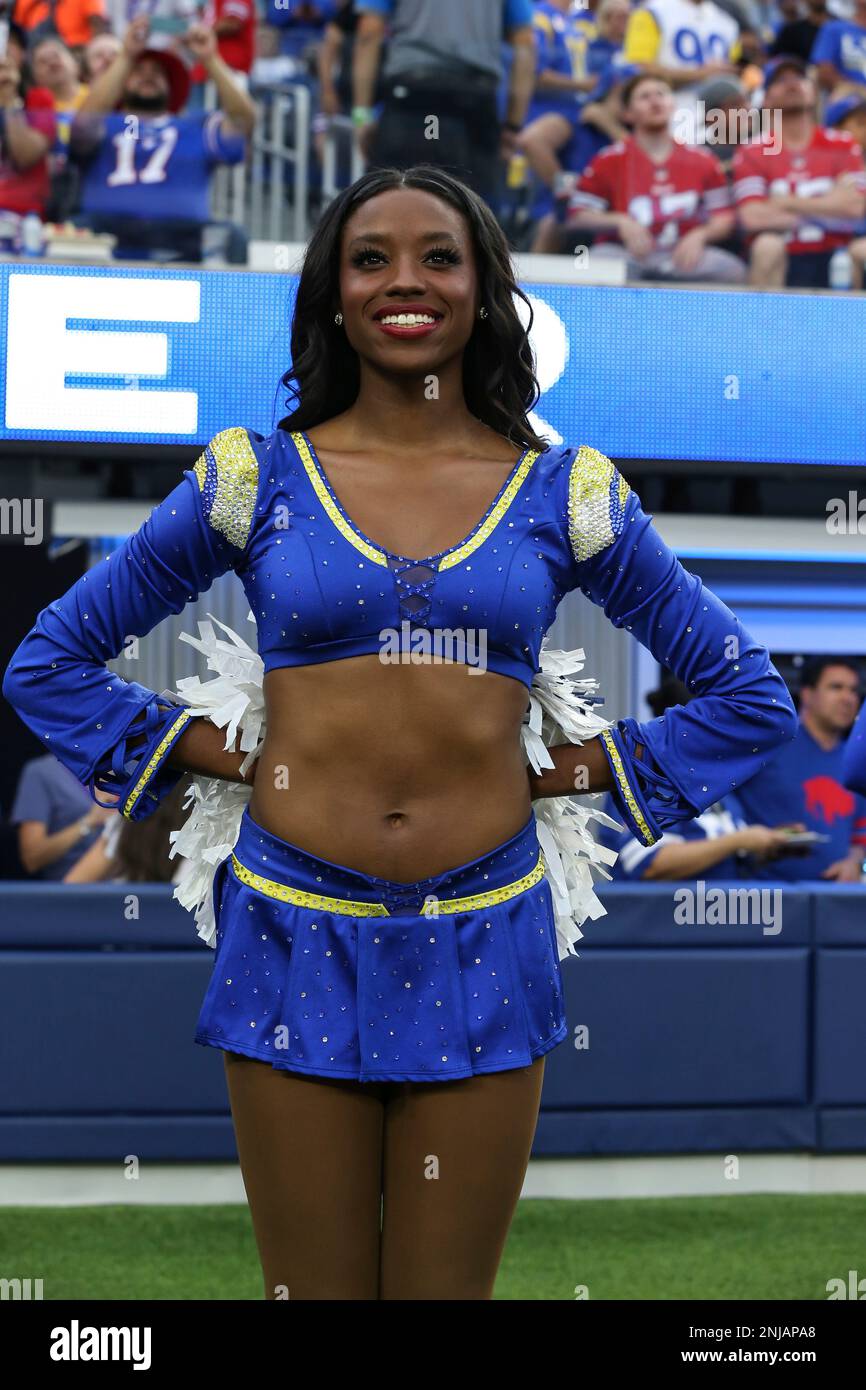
(321, 590)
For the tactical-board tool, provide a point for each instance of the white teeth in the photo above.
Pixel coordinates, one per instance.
(407, 320)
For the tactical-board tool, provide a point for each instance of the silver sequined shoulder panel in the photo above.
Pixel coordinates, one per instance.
(597, 494)
(228, 476)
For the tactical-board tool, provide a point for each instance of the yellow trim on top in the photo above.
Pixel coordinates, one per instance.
(375, 553)
(493, 519)
(153, 761)
(321, 490)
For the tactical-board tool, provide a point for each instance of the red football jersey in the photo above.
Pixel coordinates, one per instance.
(670, 198)
(760, 170)
(26, 190)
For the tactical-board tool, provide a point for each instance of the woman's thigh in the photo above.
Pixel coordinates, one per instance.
(454, 1162)
(310, 1149)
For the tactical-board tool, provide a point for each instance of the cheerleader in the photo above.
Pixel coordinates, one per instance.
(387, 974)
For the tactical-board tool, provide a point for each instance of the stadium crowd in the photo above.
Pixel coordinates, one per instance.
(693, 140)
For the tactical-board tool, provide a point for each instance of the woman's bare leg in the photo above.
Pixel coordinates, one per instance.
(455, 1158)
(310, 1150)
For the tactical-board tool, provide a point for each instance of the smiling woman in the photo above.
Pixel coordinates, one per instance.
(387, 976)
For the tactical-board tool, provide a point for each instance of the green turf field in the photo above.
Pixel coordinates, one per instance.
(768, 1247)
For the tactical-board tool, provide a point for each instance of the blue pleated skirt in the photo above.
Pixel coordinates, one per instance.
(334, 972)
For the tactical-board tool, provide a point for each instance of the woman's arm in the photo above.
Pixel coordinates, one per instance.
(667, 770)
(116, 735)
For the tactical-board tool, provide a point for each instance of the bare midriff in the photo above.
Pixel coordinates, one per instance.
(402, 771)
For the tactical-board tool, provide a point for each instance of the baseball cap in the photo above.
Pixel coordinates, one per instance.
(717, 90)
(777, 65)
(837, 110)
(176, 72)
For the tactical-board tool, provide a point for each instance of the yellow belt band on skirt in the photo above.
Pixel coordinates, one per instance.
(299, 898)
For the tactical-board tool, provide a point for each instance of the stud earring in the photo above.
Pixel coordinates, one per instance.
(482, 312)
(338, 318)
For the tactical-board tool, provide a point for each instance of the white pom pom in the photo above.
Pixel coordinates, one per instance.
(559, 712)
(234, 700)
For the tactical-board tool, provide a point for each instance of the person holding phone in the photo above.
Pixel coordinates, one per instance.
(146, 162)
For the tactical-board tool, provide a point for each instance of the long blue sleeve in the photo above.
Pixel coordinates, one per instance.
(741, 712)
(854, 760)
(113, 734)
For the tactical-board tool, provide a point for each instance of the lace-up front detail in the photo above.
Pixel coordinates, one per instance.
(414, 580)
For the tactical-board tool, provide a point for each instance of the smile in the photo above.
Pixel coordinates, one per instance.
(407, 325)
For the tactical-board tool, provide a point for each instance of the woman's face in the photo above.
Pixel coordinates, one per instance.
(407, 247)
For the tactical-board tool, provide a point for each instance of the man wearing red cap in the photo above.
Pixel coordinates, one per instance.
(147, 165)
(798, 190)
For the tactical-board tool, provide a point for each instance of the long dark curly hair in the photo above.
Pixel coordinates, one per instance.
(499, 382)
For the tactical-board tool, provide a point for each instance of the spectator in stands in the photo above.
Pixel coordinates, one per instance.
(792, 234)
(562, 76)
(147, 166)
(656, 204)
(558, 164)
(683, 41)
(56, 68)
(717, 844)
(56, 818)
(849, 114)
(805, 780)
(445, 60)
(16, 47)
(27, 132)
(234, 23)
(797, 37)
(727, 118)
(781, 12)
(554, 140)
(839, 52)
(76, 22)
(136, 851)
(611, 22)
(300, 23)
(747, 17)
(99, 54)
(334, 62)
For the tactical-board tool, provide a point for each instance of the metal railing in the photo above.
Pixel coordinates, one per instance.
(339, 132)
(270, 194)
(282, 138)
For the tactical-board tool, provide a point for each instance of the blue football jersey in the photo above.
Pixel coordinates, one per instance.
(805, 782)
(154, 167)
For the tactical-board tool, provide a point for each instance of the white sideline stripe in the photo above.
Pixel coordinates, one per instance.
(677, 1175)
